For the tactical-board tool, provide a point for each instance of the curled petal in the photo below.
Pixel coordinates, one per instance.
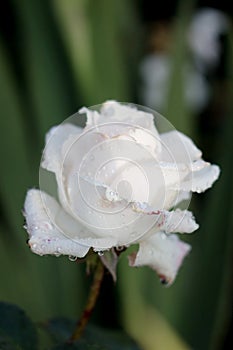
(52, 231)
(177, 147)
(45, 237)
(55, 138)
(162, 253)
(201, 178)
(117, 112)
(181, 221)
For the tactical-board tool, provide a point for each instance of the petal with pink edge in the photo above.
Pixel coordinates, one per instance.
(162, 253)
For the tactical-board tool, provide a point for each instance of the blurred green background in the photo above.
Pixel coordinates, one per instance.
(57, 56)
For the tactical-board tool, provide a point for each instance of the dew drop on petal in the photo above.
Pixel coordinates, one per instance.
(73, 258)
(48, 226)
(58, 252)
(133, 234)
(163, 280)
(120, 248)
(111, 195)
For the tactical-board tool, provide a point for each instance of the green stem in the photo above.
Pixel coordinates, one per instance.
(91, 301)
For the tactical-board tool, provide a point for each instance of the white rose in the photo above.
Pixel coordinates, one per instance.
(118, 183)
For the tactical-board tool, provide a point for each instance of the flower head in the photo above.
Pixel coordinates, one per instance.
(119, 182)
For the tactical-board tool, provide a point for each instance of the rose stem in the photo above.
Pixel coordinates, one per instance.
(91, 301)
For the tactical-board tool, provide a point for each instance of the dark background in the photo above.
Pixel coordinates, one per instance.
(55, 57)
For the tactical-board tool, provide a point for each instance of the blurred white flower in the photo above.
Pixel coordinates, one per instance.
(155, 72)
(205, 30)
(119, 183)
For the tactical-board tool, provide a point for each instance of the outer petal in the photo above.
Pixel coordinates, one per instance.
(162, 253)
(113, 111)
(53, 231)
(181, 221)
(201, 178)
(177, 147)
(55, 138)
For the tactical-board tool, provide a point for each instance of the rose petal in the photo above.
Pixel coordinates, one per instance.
(177, 147)
(162, 253)
(55, 138)
(181, 221)
(53, 231)
(102, 211)
(201, 179)
(113, 111)
(45, 237)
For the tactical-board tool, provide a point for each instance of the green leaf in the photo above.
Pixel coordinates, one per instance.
(13, 147)
(109, 339)
(80, 345)
(16, 325)
(93, 338)
(6, 343)
(46, 73)
(59, 328)
(176, 108)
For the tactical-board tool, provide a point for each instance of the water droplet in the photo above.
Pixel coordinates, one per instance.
(92, 157)
(36, 227)
(111, 195)
(120, 248)
(139, 206)
(133, 234)
(33, 246)
(163, 281)
(73, 258)
(58, 252)
(163, 235)
(25, 227)
(48, 226)
(100, 253)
